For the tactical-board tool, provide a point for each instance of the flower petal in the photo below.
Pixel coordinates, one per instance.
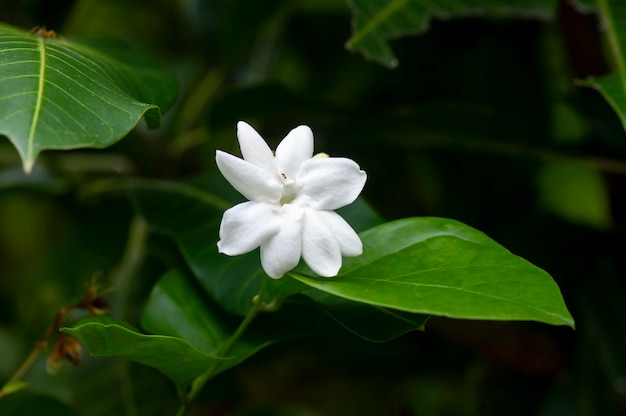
(281, 253)
(330, 183)
(349, 241)
(254, 149)
(320, 248)
(293, 150)
(246, 226)
(251, 181)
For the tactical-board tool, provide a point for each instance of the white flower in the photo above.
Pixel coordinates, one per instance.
(292, 197)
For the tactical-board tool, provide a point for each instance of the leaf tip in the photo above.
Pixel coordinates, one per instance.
(27, 165)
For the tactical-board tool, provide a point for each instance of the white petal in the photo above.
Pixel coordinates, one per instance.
(251, 181)
(320, 248)
(254, 149)
(281, 253)
(349, 241)
(246, 226)
(330, 183)
(294, 149)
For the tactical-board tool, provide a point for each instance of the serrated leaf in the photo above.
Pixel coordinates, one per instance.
(57, 93)
(375, 22)
(612, 13)
(438, 266)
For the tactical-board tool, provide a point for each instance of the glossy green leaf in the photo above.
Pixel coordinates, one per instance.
(612, 13)
(375, 22)
(57, 93)
(174, 357)
(442, 267)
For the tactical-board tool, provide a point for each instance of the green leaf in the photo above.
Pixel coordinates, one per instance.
(12, 387)
(375, 22)
(612, 13)
(174, 357)
(442, 267)
(191, 334)
(371, 322)
(175, 308)
(576, 193)
(31, 404)
(57, 93)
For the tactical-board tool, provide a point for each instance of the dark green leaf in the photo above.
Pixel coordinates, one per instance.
(371, 322)
(378, 21)
(31, 404)
(56, 93)
(442, 267)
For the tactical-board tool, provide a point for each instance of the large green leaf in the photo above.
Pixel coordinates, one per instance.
(375, 22)
(612, 13)
(57, 93)
(442, 267)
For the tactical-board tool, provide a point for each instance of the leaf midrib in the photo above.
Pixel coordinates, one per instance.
(38, 104)
(516, 302)
(376, 21)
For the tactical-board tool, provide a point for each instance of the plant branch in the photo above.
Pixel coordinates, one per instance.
(223, 351)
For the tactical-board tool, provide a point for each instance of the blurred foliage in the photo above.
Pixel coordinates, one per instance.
(480, 122)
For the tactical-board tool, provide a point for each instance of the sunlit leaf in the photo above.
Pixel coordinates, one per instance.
(57, 93)
(442, 267)
(375, 22)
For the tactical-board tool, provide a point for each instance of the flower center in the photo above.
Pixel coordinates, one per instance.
(289, 190)
(289, 194)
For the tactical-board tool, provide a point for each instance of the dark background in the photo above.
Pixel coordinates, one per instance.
(481, 122)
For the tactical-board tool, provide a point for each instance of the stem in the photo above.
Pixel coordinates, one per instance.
(223, 351)
(132, 259)
(122, 280)
(39, 346)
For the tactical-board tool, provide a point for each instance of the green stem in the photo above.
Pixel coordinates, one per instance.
(132, 259)
(223, 351)
(122, 279)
